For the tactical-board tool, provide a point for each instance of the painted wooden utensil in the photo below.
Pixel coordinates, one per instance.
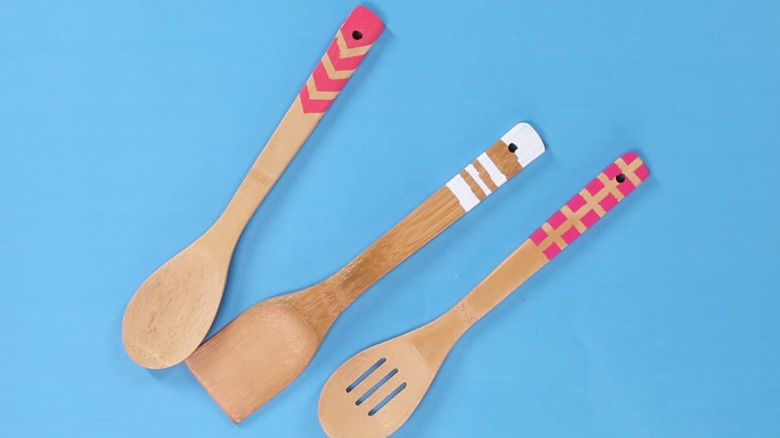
(372, 394)
(172, 311)
(262, 351)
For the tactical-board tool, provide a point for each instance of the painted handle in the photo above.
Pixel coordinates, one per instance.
(564, 227)
(353, 40)
(505, 159)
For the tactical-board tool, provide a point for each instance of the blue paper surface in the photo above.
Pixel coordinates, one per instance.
(125, 127)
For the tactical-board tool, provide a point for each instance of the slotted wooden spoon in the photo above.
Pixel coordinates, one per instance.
(172, 311)
(372, 394)
(263, 350)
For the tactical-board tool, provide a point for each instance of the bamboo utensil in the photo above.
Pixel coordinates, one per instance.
(372, 394)
(262, 351)
(172, 311)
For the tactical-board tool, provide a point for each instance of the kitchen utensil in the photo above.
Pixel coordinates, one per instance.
(172, 311)
(262, 351)
(372, 394)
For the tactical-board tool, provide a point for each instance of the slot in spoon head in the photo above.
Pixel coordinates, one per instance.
(373, 394)
(172, 311)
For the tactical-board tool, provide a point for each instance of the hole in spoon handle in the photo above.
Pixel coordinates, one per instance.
(352, 42)
(605, 191)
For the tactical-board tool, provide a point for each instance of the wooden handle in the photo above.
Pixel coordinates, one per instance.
(351, 44)
(507, 157)
(583, 210)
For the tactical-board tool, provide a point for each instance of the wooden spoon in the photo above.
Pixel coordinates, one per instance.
(263, 350)
(372, 394)
(172, 311)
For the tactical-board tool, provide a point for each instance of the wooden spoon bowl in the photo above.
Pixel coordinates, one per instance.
(162, 326)
(172, 311)
(376, 391)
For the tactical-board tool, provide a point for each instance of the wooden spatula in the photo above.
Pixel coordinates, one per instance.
(372, 394)
(172, 311)
(263, 350)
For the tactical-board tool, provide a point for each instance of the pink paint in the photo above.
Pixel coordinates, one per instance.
(551, 251)
(576, 203)
(538, 236)
(612, 171)
(339, 61)
(570, 235)
(594, 187)
(557, 219)
(608, 202)
(360, 29)
(626, 187)
(313, 105)
(590, 218)
(324, 82)
(366, 22)
(601, 194)
(629, 157)
(642, 172)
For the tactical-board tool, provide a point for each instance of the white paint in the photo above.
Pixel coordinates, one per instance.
(529, 144)
(474, 174)
(529, 147)
(460, 188)
(496, 175)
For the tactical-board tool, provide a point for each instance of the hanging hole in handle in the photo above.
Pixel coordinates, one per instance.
(512, 147)
(356, 34)
(620, 178)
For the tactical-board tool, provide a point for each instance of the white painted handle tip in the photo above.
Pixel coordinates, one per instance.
(528, 143)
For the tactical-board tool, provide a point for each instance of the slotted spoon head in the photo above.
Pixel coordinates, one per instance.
(375, 392)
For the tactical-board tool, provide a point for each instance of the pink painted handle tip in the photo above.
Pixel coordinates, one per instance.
(345, 53)
(362, 27)
(605, 191)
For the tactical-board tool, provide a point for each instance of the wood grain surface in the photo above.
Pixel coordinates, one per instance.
(373, 394)
(264, 349)
(170, 314)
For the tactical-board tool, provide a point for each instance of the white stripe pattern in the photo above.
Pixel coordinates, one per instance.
(461, 189)
(474, 174)
(495, 174)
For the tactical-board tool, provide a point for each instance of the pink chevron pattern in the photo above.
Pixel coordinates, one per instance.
(351, 44)
(590, 204)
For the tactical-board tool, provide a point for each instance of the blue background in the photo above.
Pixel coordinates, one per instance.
(125, 127)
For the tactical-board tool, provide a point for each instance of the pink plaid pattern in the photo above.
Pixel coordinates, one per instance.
(590, 204)
(552, 251)
(538, 236)
(576, 203)
(590, 218)
(594, 187)
(557, 219)
(570, 235)
(608, 202)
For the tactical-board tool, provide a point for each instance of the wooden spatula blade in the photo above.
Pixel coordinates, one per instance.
(255, 357)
